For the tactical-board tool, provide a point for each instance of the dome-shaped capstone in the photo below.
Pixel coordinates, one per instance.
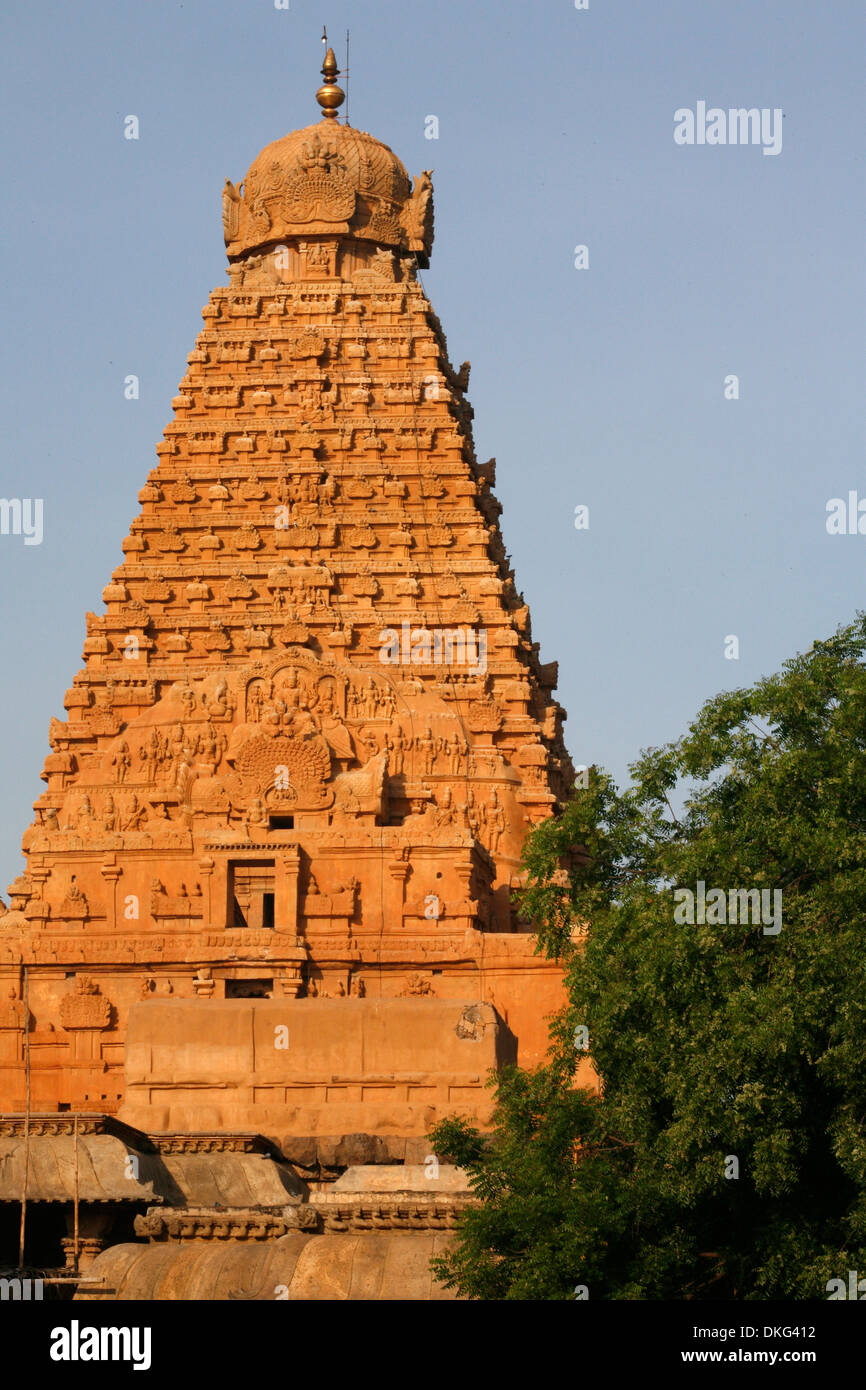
(329, 179)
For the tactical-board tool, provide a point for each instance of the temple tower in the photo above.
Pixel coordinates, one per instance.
(311, 730)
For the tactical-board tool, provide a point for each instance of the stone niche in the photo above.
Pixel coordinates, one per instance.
(307, 1066)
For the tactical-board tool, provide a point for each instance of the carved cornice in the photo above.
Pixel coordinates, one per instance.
(14, 1126)
(198, 1143)
(235, 1224)
(400, 1212)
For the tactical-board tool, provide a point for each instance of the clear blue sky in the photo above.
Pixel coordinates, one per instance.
(602, 386)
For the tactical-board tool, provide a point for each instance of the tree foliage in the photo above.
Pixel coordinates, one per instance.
(715, 1041)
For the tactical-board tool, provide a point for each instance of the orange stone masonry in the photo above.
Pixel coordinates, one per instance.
(312, 729)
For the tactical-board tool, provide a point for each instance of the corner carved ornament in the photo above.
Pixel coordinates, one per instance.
(12, 1012)
(85, 1007)
(418, 215)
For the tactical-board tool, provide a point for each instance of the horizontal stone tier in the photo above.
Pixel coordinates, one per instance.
(274, 945)
(276, 311)
(386, 426)
(273, 508)
(362, 656)
(369, 621)
(171, 469)
(414, 325)
(349, 608)
(281, 388)
(189, 521)
(416, 416)
(346, 608)
(169, 670)
(345, 303)
(506, 668)
(391, 448)
(188, 410)
(306, 288)
(257, 567)
(510, 725)
(225, 296)
(278, 369)
(391, 440)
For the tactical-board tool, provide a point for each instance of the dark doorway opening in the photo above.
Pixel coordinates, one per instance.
(249, 989)
(252, 887)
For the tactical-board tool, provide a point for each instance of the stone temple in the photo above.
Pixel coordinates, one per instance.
(265, 936)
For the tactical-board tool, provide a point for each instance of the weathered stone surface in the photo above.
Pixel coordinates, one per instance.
(388, 1065)
(105, 1173)
(404, 1177)
(111, 1162)
(384, 1265)
(362, 1148)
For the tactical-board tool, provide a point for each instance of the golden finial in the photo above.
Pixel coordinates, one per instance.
(330, 96)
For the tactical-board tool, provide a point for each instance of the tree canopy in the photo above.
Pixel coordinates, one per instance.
(724, 1154)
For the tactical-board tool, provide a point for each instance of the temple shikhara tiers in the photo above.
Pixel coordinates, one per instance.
(265, 937)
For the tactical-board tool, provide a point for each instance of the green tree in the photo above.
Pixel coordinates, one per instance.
(726, 1154)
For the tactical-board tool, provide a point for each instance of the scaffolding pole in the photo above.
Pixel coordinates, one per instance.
(75, 1199)
(23, 1229)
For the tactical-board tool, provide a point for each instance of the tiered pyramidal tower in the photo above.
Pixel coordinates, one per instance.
(312, 729)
